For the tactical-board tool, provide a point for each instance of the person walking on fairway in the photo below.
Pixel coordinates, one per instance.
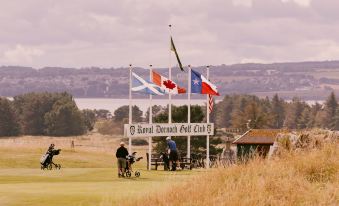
(121, 154)
(173, 153)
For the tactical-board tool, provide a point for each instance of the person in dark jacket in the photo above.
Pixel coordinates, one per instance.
(121, 154)
(173, 154)
(50, 149)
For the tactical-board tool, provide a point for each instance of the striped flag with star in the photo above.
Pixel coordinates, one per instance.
(200, 85)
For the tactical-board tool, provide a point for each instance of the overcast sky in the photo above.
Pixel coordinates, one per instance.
(115, 33)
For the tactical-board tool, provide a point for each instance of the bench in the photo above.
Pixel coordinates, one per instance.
(156, 161)
(185, 162)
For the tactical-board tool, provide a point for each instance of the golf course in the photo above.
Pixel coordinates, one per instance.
(86, 177)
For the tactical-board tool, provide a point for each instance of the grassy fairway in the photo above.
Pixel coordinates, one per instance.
(78, 186)
(87, 178)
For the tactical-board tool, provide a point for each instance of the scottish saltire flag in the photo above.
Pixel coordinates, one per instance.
(200, 85)
(144, 86)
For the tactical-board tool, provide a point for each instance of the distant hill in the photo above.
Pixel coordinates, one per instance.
(308, 80)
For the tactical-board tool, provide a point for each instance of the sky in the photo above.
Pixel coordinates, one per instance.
(116, 33)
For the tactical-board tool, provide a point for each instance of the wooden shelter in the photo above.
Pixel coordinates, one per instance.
(255, 142)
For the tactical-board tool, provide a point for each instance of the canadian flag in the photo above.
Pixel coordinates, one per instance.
(168, 85)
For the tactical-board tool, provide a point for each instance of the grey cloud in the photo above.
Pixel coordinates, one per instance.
(116, 33)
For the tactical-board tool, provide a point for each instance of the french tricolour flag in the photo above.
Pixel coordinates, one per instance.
(200, 85)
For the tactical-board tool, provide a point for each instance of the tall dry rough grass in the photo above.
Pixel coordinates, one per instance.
(308, 177)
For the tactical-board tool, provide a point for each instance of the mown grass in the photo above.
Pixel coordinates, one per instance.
(79, 186)
(309, 177)
(296, 178)
(29, 158)
(87, 178)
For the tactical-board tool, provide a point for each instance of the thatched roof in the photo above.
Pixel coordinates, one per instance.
(258, 136)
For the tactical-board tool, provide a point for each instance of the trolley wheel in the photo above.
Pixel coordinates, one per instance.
(50, 167)
(128, 174)
(137, 173)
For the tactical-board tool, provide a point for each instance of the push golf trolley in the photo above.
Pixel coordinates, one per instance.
(131, 159)
(46, 160)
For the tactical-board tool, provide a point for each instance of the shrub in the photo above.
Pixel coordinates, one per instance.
(136, 141)
(110, 127)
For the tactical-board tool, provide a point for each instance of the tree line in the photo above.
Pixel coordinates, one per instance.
(249, 111)
(241, 112)
(57, 114)
(54, 114)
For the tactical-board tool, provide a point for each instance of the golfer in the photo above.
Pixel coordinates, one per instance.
(173, 153)
(121, 155)
(50, 149)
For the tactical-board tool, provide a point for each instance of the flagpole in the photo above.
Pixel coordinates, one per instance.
(189, 110)
(170, 77)
(150, 115)
(208, 121)
(130, 107)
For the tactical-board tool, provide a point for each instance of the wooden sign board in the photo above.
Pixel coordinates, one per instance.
(163, 129)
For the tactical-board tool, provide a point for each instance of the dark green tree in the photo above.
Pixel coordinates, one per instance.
(121, 114)
(254, 115)
(336, 120)
(316, 109)
(32, 108)
(320, 118)
(89, 119)
(223, 112)
(65, 119)
(293, 114)
(246, 111)
(239, 119)
(305, 120)
(102, 113)
(179, 115)
(9, 125)
(155, 110)
(331, 106)
(277, 112)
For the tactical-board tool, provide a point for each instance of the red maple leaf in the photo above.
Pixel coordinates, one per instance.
(169, 84)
